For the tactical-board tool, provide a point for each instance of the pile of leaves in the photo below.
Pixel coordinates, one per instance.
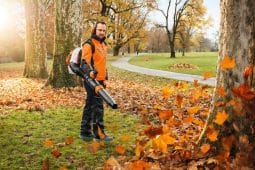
(183, 66)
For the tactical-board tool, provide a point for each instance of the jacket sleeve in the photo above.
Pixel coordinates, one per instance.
(86, 58)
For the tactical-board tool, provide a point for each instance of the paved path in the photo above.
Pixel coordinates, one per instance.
(122, 63)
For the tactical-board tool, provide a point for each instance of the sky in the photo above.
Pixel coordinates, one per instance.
(213, 10)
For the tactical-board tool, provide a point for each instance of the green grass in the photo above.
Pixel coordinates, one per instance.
(22, 134)
(206, 61)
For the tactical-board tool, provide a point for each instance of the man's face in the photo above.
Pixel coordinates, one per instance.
(101, 30)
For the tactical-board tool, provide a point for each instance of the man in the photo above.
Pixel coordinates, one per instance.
(95, 67)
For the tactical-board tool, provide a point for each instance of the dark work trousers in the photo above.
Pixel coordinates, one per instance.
(93, 111)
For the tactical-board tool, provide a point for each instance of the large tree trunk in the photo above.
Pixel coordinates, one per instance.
(237, 40)
(35, 44)
(68, 31)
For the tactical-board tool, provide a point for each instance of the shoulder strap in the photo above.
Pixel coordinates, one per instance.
(90, 42)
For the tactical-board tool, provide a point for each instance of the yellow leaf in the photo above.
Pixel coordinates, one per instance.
(125, 138)
(221, 117)
(227, 63)
(138, 149)
(166, 91)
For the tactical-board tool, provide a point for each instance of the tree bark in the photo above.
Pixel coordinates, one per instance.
(237, 40)
(35, 44)
(68, 31)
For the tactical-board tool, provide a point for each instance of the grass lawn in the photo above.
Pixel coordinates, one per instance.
(205, 61)
(23, 133)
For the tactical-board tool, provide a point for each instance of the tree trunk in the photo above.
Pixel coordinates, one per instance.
(237, 40)
(116, 50)
(35, 44)
(68, 30)
(172, 49)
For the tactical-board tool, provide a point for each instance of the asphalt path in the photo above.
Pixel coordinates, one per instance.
(123, 63)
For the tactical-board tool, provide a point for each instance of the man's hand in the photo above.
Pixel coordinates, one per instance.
(91, 74)
(106, 83)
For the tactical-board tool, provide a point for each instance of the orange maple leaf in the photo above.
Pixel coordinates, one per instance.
(48, 143)
(244, 91)
(120, 149)
(193, 110)
(56, 153)
(162, 141)
(231, 102)
(207, 75)
(165, 114)
(221, 91)
(69, 140)
(100, 133)
(62, 168)
(188, 119)
(205, 148)
(221, 117)
(227, 63)
(195, 83)
(211, 133)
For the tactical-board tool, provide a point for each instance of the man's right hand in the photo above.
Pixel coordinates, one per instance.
(91, 74)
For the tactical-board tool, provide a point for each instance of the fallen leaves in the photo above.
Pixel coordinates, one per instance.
(221, 117)
(205, 148)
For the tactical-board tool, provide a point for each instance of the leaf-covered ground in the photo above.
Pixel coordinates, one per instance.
(175, 111)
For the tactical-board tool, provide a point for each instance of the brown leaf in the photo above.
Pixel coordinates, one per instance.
(152, 132)
(69, 140)
(46, 164)
(56, 153)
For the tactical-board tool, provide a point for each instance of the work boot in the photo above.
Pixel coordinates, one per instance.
(88, 137)
(105, 138)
